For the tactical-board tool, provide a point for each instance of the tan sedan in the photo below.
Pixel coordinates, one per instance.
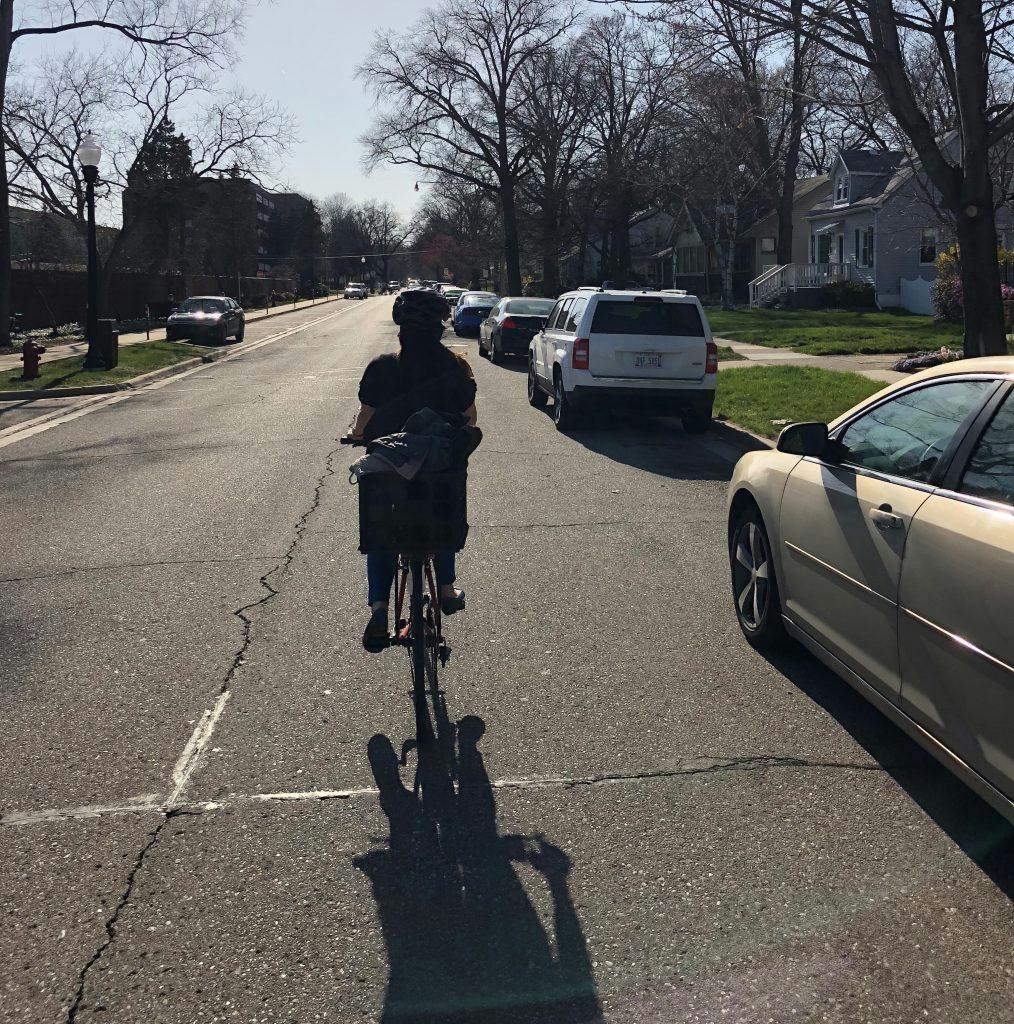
(885, 544)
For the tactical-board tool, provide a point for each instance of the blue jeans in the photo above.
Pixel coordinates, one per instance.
(380, 569)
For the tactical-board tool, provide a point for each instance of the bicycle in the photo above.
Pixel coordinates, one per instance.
(421, 632)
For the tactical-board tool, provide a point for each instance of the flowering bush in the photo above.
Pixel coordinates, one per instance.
(946, 292)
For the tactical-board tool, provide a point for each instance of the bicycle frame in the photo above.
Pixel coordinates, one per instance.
(421, 632)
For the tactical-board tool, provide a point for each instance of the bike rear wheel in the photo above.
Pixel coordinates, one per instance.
(417, 652)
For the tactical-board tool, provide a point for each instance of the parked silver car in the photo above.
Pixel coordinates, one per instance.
(884, 543)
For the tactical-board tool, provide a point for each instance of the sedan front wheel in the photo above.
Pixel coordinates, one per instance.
(754, 586)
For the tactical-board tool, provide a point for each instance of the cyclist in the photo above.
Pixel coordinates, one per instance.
(423, 373)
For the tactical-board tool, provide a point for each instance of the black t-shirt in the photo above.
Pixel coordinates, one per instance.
(397, 387)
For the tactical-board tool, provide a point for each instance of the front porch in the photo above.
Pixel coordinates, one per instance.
(792, 278)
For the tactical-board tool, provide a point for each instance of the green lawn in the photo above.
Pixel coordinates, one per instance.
(134, 360)
(832, 332)
(728, 355)
(757, 396)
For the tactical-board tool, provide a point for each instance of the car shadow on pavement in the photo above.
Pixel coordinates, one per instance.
(983, 835)
(656, 445)
(465, 943)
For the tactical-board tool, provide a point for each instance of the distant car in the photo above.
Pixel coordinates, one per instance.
(394, 286)
(452, 293)
(356, 290)
(884, 543)
(643, 350)
(210, 318)
(511, 325)
(470, 311)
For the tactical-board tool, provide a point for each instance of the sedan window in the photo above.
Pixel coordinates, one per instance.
(990, 472)
(907, 435)
(202, 306)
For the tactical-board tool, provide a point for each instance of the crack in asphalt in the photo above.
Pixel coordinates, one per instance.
(193, 753)
(190, 762)
(112, 921)
(113, 566)
(707, 766)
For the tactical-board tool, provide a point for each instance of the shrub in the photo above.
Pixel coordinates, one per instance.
(847, 295)
(946, 292)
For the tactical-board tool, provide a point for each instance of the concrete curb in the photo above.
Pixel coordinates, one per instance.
(106, 389)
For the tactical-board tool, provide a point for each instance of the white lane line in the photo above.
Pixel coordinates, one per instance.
(135, 806)
(33, 430)
(191, 757)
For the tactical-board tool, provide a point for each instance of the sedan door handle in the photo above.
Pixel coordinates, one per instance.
(885, 519)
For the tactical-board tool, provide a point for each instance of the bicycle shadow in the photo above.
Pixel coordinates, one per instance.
(465, 944)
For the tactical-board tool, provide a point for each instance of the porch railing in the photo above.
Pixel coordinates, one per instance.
(790, 276)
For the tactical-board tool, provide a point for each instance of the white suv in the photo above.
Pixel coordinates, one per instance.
(651, 351)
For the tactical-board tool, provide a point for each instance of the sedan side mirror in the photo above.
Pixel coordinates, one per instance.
(810, 439)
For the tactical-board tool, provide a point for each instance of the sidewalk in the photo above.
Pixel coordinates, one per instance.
(79, 348)
(876, 367)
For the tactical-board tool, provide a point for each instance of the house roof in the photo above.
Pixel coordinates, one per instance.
(889, 182)
(868, 161)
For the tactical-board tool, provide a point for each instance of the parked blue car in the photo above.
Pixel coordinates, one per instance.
(471, 310)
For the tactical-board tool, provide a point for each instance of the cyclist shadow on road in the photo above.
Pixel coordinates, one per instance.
(464, 942)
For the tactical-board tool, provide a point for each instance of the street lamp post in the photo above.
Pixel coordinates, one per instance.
(89, 153)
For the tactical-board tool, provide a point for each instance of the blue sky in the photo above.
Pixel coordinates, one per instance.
(303, 53)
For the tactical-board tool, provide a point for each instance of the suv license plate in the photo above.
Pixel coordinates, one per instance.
(647, 360)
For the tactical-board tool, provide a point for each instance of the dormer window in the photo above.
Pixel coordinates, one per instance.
(841, 189)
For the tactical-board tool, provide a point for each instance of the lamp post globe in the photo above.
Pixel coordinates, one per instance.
(89, 154)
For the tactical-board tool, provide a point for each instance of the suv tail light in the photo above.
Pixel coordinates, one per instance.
(579, 360)
(509, 324)
(711, 365)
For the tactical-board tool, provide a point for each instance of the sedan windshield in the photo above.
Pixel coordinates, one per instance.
(202, 306)
(478, 300)
(530, 307)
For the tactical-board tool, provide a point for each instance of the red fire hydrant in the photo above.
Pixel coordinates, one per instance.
(31, 354)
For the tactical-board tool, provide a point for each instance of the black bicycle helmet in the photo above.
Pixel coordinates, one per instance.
(420, 308)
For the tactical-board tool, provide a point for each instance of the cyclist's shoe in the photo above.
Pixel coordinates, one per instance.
(451, 605)
(376, 637)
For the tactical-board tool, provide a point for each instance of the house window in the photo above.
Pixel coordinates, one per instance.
(841, 189)
(768, 243)
(928, 246)
(864, 247)
(690, 259)
(867, 250)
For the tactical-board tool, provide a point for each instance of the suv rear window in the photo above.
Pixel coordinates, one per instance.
(652, 318)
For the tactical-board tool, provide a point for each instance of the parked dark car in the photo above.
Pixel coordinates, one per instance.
(511, 325)
(211, 319)
(470, 309)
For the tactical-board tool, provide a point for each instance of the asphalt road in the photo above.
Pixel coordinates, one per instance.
(648, 821)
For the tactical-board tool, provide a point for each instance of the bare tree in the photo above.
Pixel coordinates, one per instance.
(383, 231)
(774, 68)
(553, 119)
(201, 28)
(635, 74)
(972, 45)
(129, 104)
(450, 89)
